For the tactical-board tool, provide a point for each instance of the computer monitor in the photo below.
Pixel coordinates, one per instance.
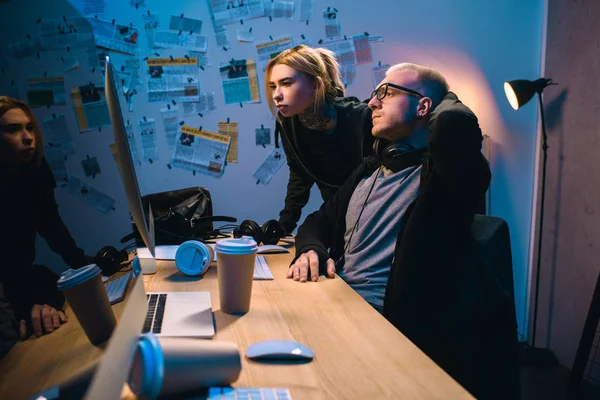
(116, 101)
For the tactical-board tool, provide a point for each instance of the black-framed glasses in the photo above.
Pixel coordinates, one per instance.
(382, 91)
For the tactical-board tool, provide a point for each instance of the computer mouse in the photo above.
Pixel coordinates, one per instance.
(280, 350)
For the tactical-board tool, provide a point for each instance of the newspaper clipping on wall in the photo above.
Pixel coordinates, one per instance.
(200, 150)
(173, 79)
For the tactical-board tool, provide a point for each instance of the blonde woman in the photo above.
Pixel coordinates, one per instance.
(324, 134)
(28, 208)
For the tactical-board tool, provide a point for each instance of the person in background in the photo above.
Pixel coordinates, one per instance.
(325, 135)
(28, 294)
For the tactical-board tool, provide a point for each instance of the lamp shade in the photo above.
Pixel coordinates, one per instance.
(520, 91)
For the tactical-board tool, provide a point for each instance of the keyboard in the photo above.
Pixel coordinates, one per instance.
(228, 393)
(261, 270)
(116, 288)
(156, 311)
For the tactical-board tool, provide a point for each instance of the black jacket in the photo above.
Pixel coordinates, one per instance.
(29, 207)
(327, 160)
(432, 249)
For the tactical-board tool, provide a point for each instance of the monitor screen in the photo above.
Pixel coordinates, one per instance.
(116, 101)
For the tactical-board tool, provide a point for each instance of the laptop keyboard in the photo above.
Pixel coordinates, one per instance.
(229, 393)
(115, 289)
(156, 311)
(262, 272)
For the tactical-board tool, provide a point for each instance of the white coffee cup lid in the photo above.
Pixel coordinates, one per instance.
(243, 245)
(193, 257)
(73, 277)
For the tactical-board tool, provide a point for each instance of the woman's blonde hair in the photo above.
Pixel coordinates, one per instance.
(319, 65)
(9, 103)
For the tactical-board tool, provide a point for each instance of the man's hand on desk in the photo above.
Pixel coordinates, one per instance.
(43, 319)
(309, 263)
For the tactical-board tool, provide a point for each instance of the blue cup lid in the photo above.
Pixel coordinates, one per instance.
(74, 277)
(193, 257)
(243, 245)
(148, 369)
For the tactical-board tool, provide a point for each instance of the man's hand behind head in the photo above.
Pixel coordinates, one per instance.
(307, 264)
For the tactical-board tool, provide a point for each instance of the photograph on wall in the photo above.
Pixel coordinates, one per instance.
(172, 79)
(239, 81)
(200, 150)
(43, 92)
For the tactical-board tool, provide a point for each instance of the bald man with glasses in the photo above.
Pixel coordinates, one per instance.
(398, 230)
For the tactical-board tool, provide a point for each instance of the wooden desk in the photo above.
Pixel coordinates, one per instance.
(358, 354)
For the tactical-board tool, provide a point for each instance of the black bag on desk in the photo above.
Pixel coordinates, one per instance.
(180, 215)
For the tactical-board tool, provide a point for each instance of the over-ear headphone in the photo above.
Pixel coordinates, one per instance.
(269, 233)
(397, 155)
(109, 259)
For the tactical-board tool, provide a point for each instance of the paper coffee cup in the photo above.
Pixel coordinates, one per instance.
(86, 295)
(235, 272)
(168, 366)
(193, 258)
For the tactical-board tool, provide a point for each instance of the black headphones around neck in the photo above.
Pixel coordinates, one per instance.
(397, 155)
(269, 233)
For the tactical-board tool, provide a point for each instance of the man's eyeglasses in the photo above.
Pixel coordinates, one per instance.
(382, 91)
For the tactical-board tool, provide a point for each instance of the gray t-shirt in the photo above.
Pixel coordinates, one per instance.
(370, 248)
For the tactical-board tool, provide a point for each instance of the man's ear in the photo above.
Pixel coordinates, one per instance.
(424, 108)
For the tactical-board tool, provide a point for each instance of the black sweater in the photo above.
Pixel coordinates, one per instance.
(431, 253)
(324, 159)
(29, 207)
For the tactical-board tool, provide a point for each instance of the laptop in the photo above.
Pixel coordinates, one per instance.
(173, 314)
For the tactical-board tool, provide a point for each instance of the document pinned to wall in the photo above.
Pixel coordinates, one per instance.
(46, 91)
(270, 166)
(245, 36)
(362, 48)
(56, 160)
(133, 148)
(96, 59)
(200, 150)
(88, 194)
(171, 39)
(304, 9)
(57, 130)
(378, 73)
(121, 38)
(90, 7)
(90, 106)
(270, 49)
(203, 60)
(230, 129)
(26, 48)
(90, 165)
(171, 124)
(148, 135)
(239, 81)
(332, 24)
(348, 73)
(173, 79)
(70, 64)
(151, 23)
(280, 9)
(58, 34)
(205, 105)
(227, 12)
(344, 50)
(185, 24)
(262, 136)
